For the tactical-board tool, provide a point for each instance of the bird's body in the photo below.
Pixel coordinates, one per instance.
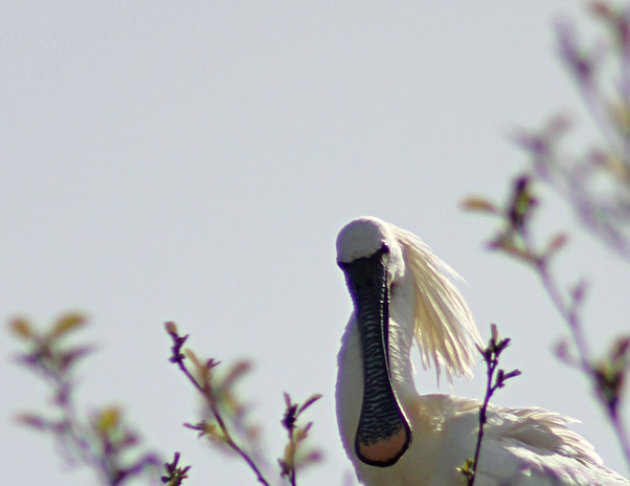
(396, 437)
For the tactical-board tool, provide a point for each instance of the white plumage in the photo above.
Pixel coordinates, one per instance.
(396, 437)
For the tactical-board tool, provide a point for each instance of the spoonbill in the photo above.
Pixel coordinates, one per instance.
(393, 436)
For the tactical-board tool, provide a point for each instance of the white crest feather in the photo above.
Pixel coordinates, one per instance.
(444, 327)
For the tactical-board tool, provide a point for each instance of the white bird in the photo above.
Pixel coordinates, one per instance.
(396, 437)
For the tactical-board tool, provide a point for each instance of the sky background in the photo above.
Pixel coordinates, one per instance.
(194, 161)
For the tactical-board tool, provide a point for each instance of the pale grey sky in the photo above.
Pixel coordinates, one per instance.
(194, 161)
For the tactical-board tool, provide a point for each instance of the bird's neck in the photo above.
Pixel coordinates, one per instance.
(401, 320)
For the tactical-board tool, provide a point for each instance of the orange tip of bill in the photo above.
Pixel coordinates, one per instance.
(384, 452)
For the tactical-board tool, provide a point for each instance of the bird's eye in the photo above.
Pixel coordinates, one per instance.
(384, 247)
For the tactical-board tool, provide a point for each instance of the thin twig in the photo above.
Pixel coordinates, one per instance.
(482, 420)
(571, 316)
(296, 436)
(491, 357)
(206, 390)
(568, 312)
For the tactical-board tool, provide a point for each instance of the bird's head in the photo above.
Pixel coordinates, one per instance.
(443, 325)
(366, 239)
